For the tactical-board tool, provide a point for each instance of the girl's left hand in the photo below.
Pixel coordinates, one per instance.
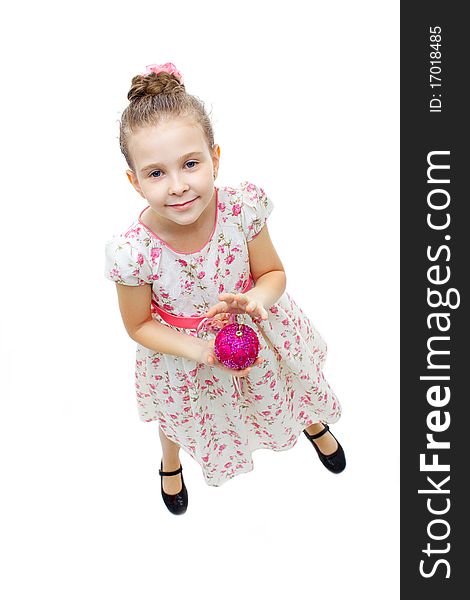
(238, 303)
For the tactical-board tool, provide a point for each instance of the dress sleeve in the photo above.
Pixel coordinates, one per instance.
(256, 208)
(126, 263)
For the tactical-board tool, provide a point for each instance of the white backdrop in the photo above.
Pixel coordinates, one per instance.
(304, 99)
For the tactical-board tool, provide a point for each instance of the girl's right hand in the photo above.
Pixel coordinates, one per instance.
(208, 357)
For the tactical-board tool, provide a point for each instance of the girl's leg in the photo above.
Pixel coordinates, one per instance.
(172, 484)
(326, 443)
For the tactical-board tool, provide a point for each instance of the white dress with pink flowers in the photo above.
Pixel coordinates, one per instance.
(198, 406)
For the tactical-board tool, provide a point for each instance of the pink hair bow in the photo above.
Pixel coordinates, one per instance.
(167, 68)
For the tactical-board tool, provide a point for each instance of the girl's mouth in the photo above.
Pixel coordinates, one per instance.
(183, 206)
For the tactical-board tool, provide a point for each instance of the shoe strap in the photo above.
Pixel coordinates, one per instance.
(166, 473)
(317, 435)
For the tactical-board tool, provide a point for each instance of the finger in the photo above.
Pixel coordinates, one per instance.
(217, 308)
(243, 299)
(261, 313)
(227, 297)
(244, 372)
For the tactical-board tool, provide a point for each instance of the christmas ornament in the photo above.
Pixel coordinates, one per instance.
(236, 346)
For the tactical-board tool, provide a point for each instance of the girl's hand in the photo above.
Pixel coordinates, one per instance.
(208, 357)
(238, 303)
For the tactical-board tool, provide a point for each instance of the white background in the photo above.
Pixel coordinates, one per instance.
(304, 100)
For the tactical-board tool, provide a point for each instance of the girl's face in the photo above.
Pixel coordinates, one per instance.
(174, 165)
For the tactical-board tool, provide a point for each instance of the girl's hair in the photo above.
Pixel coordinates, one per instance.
(154, 98)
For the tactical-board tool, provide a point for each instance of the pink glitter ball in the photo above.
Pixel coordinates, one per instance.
(236, 346)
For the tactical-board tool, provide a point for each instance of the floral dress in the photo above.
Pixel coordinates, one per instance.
(199, 407)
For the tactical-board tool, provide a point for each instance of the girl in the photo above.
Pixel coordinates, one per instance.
(198, 257)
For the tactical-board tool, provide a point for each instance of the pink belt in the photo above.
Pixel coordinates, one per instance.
(198, 323)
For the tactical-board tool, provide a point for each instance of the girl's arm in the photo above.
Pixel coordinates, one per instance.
(134, 304)
(266, 269)
(268, 288)
(269, 277)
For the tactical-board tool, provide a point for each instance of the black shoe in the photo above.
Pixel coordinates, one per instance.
(335, 462)
(176, 503)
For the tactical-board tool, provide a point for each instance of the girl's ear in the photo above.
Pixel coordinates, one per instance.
(215, 156)
(135, 183)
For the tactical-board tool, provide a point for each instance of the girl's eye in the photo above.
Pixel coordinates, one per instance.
(190, 162)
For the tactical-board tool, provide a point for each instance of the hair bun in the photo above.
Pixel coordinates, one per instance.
(153, 84)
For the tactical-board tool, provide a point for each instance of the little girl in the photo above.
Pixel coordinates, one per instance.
(197, 257)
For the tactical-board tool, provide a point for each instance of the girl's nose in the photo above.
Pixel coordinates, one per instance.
(177, 186)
